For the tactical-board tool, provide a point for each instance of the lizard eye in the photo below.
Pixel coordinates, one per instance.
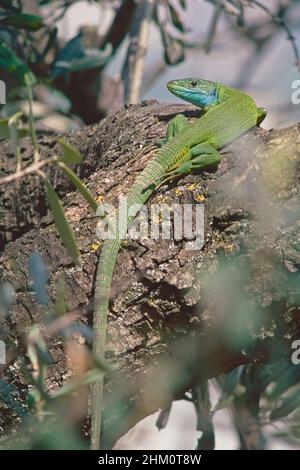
(193, 83)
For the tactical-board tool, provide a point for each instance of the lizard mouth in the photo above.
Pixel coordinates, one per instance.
(202, 94)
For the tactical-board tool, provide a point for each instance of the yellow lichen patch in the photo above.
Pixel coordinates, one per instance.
(100, 199)
(200, 197)
(191, 187)
(96, 245)
(230, 248)
(178, 191)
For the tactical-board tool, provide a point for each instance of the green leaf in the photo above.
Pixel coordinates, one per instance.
(10, 61)
(5, 133)
(89, 378)
(176, 20)
(40, 277)
(232, 379)
(62, 225)
(4, 129)
(93, 58)
(289, 404)
(23, 21)
(286, 379)
(71, 154)
(80, 186)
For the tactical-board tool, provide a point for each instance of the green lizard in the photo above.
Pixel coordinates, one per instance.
(228, 114)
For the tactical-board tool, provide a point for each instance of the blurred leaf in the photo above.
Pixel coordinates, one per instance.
(55, 434)
(23, 21)
(176, 20)
(6, 38)
(62, 225)
(40, 277)
(7, 4)
(289, 404)
(58, 100)
(51, 433)
(5, 132)
(51, 42)
(183, 4)
(85, 331)
(60, 306)
(11, 397)
(286, 379)
(45, 2)
(4, 129)
(13, 123)
(73, 49)
(80, 186)
(93, 58)
(11, 62)
(7, 296)
(232, 379)
(37, 353)
(89, 378)
(71, 154)
(74, 57)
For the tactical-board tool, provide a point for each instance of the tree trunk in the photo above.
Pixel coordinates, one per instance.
(177, 316)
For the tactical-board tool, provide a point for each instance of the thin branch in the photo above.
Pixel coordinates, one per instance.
(213, 28)
(283, 25)
(134, 63)
(275, 17)
(30, 169)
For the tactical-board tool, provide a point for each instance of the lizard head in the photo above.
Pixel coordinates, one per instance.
(201, 93)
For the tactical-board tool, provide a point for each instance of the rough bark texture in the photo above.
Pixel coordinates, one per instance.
(175, 313)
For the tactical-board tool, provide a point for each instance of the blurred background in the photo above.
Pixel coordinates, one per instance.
(84, 57)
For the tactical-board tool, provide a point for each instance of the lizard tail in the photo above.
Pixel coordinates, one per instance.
(105, 268)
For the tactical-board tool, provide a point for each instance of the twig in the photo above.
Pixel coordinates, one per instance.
(275, 17)
(31, 120)
(283, 25)
(134, 63)
(212, 28)
(30, 169)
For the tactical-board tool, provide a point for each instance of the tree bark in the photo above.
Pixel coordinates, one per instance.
(177, 316)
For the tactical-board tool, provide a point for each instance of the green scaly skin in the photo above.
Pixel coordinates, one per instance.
(229, 114)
